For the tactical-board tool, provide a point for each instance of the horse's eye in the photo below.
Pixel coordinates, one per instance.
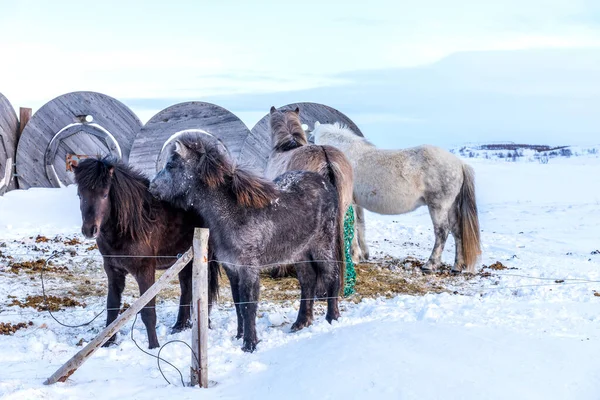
(105, 196)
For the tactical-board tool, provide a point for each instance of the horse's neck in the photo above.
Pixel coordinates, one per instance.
(217, 208)
(354, 148)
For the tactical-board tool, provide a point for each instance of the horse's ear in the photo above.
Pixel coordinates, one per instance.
(181, 149)
(272, 110)
(297, 110)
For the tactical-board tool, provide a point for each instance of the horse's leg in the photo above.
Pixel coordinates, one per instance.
(333, 291)
(359, 232)
(185, 301)
(441, 227)
(234, 282)
(249, 288)
(328, 269)
(116, 285)
(145, 279)
(459, 261)
(307, 275)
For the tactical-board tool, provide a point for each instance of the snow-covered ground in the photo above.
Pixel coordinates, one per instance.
(532, 332)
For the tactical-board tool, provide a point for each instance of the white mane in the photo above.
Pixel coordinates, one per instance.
(323, 133)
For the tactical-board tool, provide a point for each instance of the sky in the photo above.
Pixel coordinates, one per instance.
(150, 54)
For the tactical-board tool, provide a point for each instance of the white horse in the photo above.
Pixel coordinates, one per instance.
(399, 181)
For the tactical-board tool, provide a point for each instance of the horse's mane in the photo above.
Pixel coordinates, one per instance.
(131, 202)
(339, 129)
(216, 169)
(286, 130)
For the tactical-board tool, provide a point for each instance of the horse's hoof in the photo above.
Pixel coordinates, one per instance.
(180, 327)
(153, 346)
(109, 343)
(427, 271)
(249, 346)
(332, 318)
(455, 272)
(300, 325)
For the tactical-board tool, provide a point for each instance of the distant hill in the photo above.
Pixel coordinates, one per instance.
(524, 152)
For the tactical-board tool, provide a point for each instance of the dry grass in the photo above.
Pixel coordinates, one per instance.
(33, 267)
(6, 328)
(52, 303)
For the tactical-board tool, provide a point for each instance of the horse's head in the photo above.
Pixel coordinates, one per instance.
(199, 164)
(196, 159)
(94, 179)
(286, 129)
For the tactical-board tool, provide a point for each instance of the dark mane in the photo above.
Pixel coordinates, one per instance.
(286, 131)
(131, 203)
(215, 168)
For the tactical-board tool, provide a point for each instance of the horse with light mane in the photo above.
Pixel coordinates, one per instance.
(399, 181)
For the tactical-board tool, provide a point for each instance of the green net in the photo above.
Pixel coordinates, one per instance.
(348, 237)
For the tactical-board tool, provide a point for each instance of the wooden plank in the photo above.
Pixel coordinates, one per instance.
(24, 117)
(146, 152)
(64, 372)
(259, 141)
(61, 112)
(199, 369)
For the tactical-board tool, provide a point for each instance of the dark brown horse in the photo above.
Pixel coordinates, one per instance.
(255, 223)
(126, 220)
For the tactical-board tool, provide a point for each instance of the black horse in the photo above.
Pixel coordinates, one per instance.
(126, 220)
(255, 223)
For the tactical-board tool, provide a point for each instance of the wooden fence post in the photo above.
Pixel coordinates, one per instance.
(199, 369)
(24, 117)
(63, 373)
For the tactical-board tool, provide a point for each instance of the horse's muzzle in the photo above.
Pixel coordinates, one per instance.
(91, 231)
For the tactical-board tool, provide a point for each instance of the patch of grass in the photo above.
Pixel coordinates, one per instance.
(41, 239)
(32, 267)
(497, 266)
(6, 328)
(53, 303)
(72, 242)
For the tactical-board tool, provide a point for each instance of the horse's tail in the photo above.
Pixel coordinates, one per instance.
(214, 272)
(333, 172)
(468, 219)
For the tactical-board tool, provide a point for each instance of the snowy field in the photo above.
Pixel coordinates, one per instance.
(528, 332)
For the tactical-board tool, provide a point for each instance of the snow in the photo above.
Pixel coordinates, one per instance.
(516, 334)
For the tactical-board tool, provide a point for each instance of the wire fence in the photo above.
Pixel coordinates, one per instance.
(551, 281)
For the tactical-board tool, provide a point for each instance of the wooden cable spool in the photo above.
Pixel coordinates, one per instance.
(78, 123)
(9, 126)
(150, 145)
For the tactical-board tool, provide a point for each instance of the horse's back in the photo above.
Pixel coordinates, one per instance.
(398, 181)
(316, 158)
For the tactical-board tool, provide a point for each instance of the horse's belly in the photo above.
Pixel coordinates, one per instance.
(382, 201)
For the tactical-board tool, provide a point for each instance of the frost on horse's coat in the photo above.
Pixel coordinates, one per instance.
(255, 223)
(399, 181)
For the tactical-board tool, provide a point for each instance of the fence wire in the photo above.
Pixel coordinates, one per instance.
(555, 282)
